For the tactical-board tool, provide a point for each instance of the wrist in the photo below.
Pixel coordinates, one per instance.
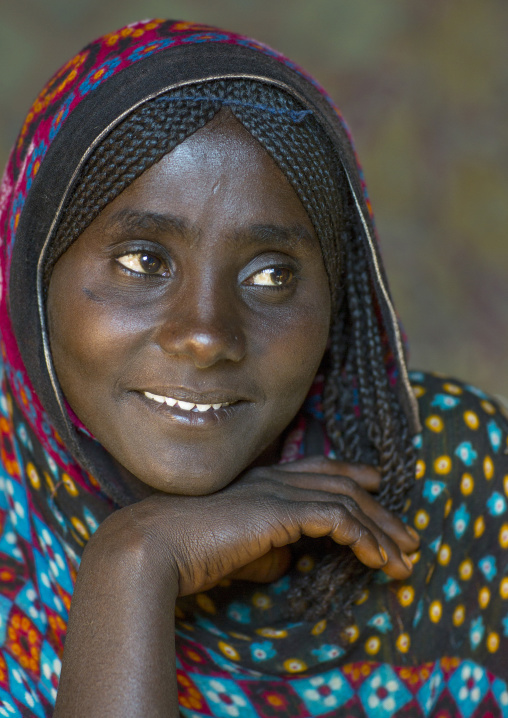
(129, 550)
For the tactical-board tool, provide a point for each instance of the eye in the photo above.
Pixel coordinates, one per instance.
(144, 263)
(271, 277)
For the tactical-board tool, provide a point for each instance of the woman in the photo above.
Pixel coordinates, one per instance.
(188, 260)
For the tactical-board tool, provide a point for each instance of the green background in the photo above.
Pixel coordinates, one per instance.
(424, 86)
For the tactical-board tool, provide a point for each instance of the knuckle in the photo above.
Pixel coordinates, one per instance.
(349, 504)
(270, 497)
(360, 532)
(349, 485)
(333, 515)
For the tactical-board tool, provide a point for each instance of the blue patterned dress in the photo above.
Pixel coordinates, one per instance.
(433, 645)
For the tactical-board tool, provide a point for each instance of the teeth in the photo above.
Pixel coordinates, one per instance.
(185, 405)
(155, 397)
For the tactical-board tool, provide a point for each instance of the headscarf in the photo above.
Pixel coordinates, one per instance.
(52, 469)
(106, 81)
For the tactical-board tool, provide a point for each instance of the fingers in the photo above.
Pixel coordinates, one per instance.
(405, 537)
(270, 567)
(365, 476)
(265, 569)
(244, 530)
(398, 564)
(344, 526)
(348, 525)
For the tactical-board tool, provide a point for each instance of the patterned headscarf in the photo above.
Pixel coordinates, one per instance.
(106, 81)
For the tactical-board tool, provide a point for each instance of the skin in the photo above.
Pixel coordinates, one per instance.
(236, 308)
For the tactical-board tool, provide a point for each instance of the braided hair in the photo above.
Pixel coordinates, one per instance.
(355, 374)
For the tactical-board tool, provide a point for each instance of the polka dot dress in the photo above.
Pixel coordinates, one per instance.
(433, 645)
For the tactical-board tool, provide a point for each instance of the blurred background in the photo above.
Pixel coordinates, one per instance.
(424, 87)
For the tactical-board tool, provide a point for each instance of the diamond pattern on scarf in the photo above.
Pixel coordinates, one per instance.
(324, 693)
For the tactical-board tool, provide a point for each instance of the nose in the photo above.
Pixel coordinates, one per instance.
(206, 330)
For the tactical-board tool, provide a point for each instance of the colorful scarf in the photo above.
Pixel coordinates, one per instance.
(436, 645)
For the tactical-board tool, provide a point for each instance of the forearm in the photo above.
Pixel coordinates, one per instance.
(119, 654)
(119, 658)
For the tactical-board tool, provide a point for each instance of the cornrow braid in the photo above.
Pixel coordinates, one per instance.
(364, 420)
(134, 145)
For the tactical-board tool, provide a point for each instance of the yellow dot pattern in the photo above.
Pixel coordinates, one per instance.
(459, 506)
(459, 582)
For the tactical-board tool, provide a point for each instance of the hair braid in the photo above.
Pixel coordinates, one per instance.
(137, 143)
(379, 436)
(364, 420)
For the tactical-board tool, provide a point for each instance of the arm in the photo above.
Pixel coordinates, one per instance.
(119, 657)
(119, 652)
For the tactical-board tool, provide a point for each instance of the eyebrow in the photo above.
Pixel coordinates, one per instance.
(290, 236)
(132, 220)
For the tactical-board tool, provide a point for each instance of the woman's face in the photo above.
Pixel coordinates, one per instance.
(188, 320)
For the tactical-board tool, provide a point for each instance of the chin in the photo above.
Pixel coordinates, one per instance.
(190, 468)
(185, 478)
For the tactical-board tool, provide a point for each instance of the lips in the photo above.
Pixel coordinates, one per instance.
(195, 406)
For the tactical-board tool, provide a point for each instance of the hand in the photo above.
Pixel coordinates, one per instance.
(244, 530)
(334, 477)
(143, 556)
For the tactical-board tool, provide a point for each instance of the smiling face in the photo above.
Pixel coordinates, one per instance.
(188, 320)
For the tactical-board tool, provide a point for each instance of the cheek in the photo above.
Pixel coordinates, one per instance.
(91, 346)
(86, 336)
(90, 323)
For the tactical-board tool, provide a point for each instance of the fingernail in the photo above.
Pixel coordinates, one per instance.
(383, 553)
(407, 560)
(414, 534)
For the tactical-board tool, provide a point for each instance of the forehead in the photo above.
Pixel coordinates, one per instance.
(219, 176)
